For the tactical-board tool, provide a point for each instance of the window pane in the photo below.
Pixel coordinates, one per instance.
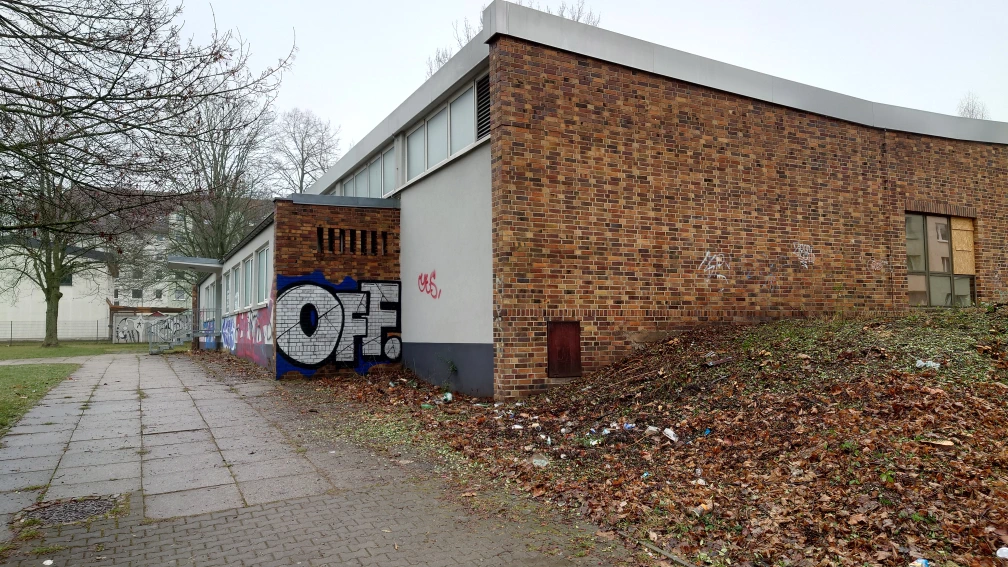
(260, 275)
(361, 184)
(237, 286)
(918, 290)
(248, 282)
(915, 243)
(941, 291)
(374, 175)
(388, 171)
(227, 290)
(963, 291)
(463, 121)
(415, 154)
(938, 245)
(348, 188)
(437, 138)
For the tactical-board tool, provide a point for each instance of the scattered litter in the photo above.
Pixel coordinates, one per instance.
(447, 397)
(704, 508)
(929, 364)
(540, 460)
(671, 435)
(628, 426)
(594, 442)
(517, 426)
(1003, 553)
(404, 462)
(426, 406)
(564, 430)
(646, 474)
(332, 452)
(47, 562)
(706, 432)
(920, 563)
(468, 494)
(651, 430)
(549, 440)
(939, 442)
(387, 531)
(606, 431)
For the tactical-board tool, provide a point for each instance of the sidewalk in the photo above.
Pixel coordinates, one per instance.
(218, 475)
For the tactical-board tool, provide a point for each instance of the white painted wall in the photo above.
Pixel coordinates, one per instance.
(445, 229)
(81, 310)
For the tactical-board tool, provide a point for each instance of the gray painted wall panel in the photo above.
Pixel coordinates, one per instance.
(466, 368)
(445, 229)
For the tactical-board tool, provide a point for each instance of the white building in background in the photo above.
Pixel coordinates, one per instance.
(95, 306)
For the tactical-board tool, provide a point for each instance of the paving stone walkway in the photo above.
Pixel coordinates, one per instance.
(215, 477)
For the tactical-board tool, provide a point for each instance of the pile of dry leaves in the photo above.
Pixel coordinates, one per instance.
(798, 442)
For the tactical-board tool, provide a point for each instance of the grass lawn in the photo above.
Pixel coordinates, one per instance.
(22, 386)
(69, 348)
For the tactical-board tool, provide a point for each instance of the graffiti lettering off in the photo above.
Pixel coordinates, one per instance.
(426, 284)
(348, 324)
(805, 254)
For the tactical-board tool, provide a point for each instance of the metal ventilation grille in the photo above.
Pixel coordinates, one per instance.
(483, 107)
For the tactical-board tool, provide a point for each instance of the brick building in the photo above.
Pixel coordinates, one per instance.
(563, 191)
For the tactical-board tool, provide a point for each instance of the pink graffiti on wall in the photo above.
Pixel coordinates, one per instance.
(426, 284)
(254, 335)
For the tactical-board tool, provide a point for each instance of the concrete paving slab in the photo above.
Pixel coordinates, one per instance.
(30, 451)
(154, 439)
(102, 488)
(155, 428)
(283, 488)
(261, 430)
(252, 443)
(272, 468)
(111, 471)
(247, 455)
(131, 442)
(191, 502)
(179, 450)
(41, 428)
(99, 458)
(198, 462)
(49, 437)
(111, 430)
(22, 480)
(29, 464)
(12, 502)
(187, 480)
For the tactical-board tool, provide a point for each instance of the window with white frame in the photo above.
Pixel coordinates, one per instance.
(247, 291)
(374, 179)
(227, 291)
(388, 171)
(437, 138)
(262, 258)
(415, 153)
(361, 183)
(235, 301)
(463, 121)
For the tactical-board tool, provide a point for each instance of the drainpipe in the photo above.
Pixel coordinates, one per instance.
(218, 304)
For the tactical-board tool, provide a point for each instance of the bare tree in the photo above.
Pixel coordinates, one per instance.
(304, 146)
(47, 258)
(228, 173)
(970, 106)
(116, 77)
(465, 31)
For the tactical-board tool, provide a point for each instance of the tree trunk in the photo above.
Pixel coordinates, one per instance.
(52, 317)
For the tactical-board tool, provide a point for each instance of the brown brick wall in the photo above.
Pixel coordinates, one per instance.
(635, 203)
(297, 253)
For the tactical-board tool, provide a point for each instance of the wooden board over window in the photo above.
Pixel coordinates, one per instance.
(963, 255)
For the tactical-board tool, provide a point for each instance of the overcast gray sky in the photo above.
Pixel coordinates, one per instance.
(356, 61)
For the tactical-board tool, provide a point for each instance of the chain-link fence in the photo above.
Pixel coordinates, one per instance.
(87, 330)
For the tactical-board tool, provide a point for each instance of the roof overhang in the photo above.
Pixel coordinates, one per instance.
(205, 265)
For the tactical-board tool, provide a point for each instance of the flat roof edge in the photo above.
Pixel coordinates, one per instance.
(208, 265)
(341, 201)
(505, 18)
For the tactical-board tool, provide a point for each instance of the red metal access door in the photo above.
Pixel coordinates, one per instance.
(563, 349)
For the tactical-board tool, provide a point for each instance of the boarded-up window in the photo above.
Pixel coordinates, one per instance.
(962, 246)
(563, 349)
